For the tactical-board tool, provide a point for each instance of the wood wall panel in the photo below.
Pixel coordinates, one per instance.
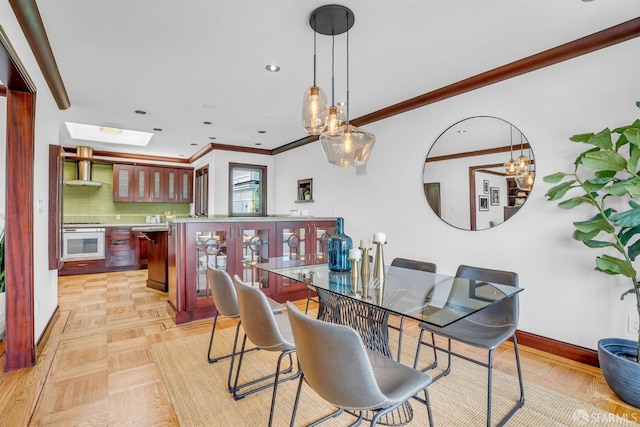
(19, 339)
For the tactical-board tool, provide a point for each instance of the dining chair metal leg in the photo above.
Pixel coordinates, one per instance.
(276, 381)
(236, 388)
(435, 354)
(226, 356)
(520, 402)
(334, 414)
(488, 365)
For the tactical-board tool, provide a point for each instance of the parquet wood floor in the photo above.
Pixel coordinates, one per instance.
(96, 368)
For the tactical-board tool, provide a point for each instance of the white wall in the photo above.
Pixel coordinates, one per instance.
(218, 162)
(46, 132)
(564, 298)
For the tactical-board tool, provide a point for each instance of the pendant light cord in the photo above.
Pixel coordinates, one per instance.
(314, 50)
(333, 60)
(348, 103)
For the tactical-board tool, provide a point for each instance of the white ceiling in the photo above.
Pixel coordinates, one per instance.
(189, 61)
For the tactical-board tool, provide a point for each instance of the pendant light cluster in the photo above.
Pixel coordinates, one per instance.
(522, 169)
(343, 144)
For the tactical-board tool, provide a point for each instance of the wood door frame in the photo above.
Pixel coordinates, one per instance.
(20, 346)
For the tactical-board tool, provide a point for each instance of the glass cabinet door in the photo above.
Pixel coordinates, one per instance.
(211, 251)
(256, 247)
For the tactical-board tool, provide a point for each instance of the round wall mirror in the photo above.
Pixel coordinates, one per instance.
(479, 173)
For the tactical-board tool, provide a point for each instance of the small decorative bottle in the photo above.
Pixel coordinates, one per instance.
(338, 249)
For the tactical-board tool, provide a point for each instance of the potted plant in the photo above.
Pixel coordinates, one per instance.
(307, 194)
(607, 178)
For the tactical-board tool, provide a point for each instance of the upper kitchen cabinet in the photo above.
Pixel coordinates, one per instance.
(150, 183)
(123, 183)
(179, 185)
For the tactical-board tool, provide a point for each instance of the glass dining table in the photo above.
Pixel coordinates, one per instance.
(366, 306)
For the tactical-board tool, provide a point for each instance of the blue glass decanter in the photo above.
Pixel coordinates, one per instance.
(338, 249)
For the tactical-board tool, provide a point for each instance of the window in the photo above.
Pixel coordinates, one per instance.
(202, 191)
(247, 190)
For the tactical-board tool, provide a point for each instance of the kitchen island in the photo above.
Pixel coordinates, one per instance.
(228, 243)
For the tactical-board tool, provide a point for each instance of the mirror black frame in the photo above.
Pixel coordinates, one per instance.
(486, 165)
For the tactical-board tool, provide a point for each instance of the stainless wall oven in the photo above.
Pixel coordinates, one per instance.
(82, 243)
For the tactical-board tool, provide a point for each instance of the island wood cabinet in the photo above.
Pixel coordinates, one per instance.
(193, 246)
(299, 238)
(150, 183)
(120, 248)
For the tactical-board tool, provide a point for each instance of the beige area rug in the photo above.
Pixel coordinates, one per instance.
(198, 392)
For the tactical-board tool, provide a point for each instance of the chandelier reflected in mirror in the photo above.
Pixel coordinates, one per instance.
(343, 144)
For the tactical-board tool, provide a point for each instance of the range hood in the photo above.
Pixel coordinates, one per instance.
(84, 169)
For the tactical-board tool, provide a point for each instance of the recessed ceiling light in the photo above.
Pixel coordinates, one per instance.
(209, 106)
(462, 131)
(193, 143)
(273, 68)
(341, 103)
(262, 131)
(108, 134)
(212, 137)
(258, 143)
(141, 112)
(158, 129)
(207, 122)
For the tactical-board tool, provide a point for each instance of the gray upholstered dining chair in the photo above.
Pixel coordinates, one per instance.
(340, 369)
(226, 302)
(267, 332)
(485, 329)
(412, 265)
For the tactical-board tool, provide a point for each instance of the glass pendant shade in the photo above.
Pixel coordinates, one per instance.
(349, 146)
(523, 161)
(314, 110)
(510, 167)
(335, 119)
(525, 182)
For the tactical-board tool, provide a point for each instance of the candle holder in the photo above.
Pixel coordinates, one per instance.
(355, 276)
(365, 269)
(378, 264)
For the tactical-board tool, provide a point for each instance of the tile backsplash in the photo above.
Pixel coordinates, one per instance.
(95, 204)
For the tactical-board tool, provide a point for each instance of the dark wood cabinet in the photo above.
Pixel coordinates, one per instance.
(120, 250)
(81, 267)
(152, 183)
(193, 246)
(123, 185)
(156, 243)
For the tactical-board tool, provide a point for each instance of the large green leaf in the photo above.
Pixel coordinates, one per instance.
(578, 160)
(604, 161)
(593, 185)
(627, 233)
(612, 265)
(584, 236)
(630, 218)
(634, 156)
(605, 174)
(601, 139)
(634, 250)
(554, 178)
(633, 135)
(581, 137)
(558, 192)
(633, 190)
(598, 243)
(600, 224)
(575, 201)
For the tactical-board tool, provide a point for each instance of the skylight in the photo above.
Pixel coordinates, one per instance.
(110, 135)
